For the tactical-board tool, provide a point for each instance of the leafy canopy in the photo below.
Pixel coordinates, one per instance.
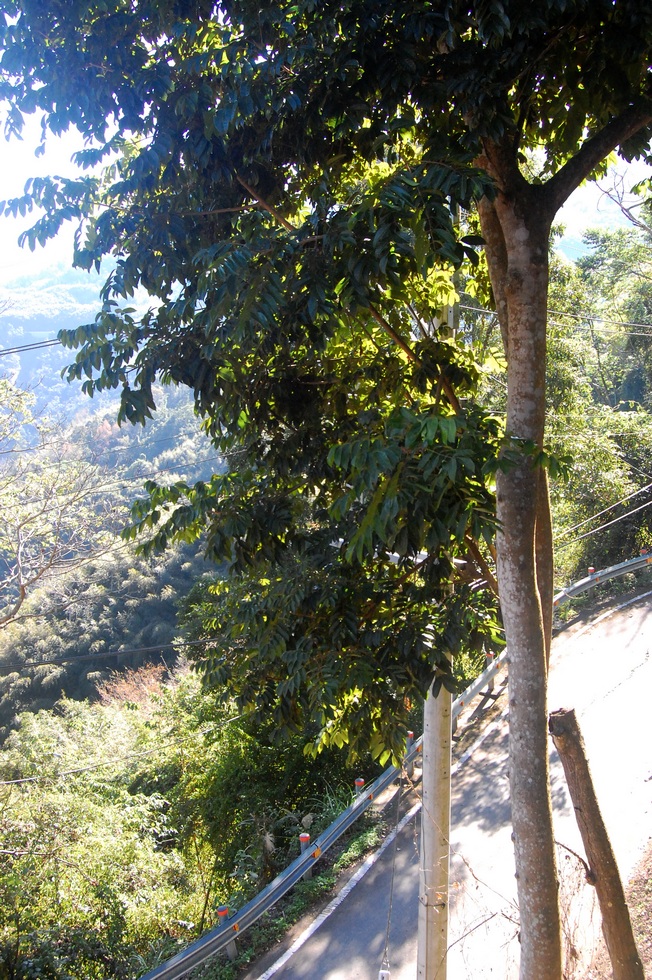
(282, 181)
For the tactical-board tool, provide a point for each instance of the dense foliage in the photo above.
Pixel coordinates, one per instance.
(284, 186)
(127, 823)
(302, 304)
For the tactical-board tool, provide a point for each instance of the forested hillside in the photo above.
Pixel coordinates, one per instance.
(144, 755)
(71, 590)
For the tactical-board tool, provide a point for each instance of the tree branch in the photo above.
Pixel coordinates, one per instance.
(396, 337)
(7, 618)
(263, 203)
(617, 195)
(405, 347)
(481, 563)
(559, 188)
(492, 233)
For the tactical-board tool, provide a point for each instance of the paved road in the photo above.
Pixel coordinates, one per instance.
(604, 671)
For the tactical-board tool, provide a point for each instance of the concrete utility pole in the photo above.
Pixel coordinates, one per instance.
(434, 864)
(435, 837)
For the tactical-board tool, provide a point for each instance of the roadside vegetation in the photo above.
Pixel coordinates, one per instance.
(126, 823)
(134, 799)
(138, 791)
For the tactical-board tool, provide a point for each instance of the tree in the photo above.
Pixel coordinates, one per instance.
(591, 421)
(286, 184)
(342, 430)
(54, 510)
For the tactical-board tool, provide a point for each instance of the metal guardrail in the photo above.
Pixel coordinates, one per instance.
(595, 578)
(219, 938)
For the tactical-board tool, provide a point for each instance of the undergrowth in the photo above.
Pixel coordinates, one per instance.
(273, 925)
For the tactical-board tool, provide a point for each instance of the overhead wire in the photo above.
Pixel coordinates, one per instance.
(602, 527)
(582, 315)
(122, 451)
(132, 651)
(37, 345)
(481, 310)
(92, 491)
(587, 520)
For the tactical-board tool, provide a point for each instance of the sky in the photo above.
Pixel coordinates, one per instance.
(29, 276)
(17, 163)
(590, 207)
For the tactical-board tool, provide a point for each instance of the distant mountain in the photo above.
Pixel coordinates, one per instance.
(33, 309)
(116, 601)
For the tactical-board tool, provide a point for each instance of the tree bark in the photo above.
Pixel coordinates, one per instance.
(616, 923)
(544, 559)
(516, 230)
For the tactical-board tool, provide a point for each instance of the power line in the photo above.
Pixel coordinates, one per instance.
(92, 491)
(582, 315)
(37, 345)
(16, 665)
(118, 451)
(587, 520)
(602, 319)
(602, 527)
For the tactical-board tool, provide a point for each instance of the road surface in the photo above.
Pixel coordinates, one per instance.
(604, 671)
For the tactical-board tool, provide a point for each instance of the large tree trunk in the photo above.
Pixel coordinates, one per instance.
(516, 227)
(517, 253)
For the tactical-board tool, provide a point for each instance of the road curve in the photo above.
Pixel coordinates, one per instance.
(604, 671)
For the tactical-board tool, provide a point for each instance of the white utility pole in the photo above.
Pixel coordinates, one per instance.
(435, 837)
(434, 864)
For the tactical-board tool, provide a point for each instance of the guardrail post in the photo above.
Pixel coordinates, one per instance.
(409, 742)
(359, 785)
(454, 722)
(304, 840)
(222, 921)
(488, 660)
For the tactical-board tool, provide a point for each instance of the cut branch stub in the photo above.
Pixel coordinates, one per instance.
(616, 923)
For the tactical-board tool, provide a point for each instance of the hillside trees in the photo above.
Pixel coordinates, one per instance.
(85, 593)
(65, 488)
(119, 612)
(285, 185)
(619, 269)
(131, 823)
(54, 513)
(607, 438)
